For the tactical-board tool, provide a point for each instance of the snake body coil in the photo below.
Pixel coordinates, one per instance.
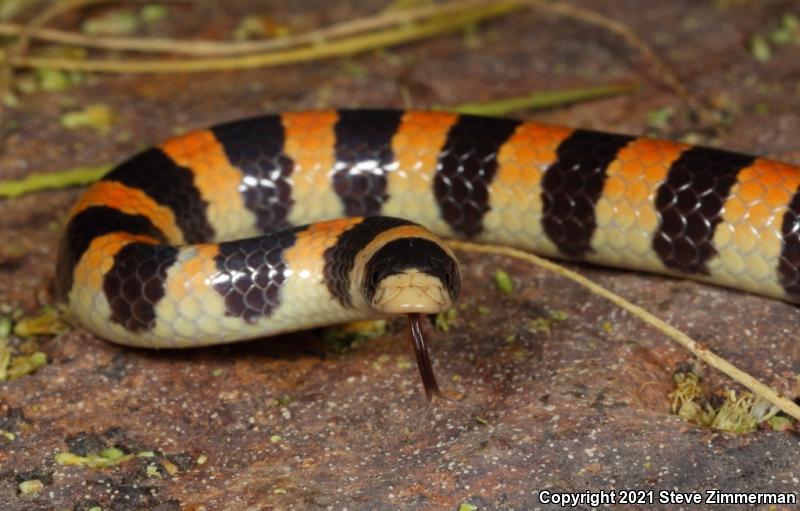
(194, 242)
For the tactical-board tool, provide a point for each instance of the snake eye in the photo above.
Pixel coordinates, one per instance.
(451, 278)
(374, 278)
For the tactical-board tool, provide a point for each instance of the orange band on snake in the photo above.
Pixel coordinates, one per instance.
(204, 239)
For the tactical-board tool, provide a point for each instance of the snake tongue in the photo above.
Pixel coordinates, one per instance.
(423, 359)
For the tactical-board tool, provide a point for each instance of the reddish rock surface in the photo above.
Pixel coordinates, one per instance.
(289, 422)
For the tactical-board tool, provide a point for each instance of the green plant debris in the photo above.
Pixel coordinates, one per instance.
(445, 320)
(93, 460)
(279, 491)
(26, 364)
(540, 100)
(37, 182)
(249, 27)
(685, 399)
(202, 459)
(403, 362)
(6, 326)
(545, 324)
(8, 435)
(540, 325)
(481, 420)
(218, 372)
(484, 310)
(5, 359)
(660, 118)
(116, 23)
(275, 439)
(503, 282)
(472, 36)
(380, 361)
(353, 69)
(152, 13)
(30, 486)
(607, 327)
(152, 471)
(52, 80)
(283, 400)
(8, 99)
(169, 467)
(14, 366)
(259, 27)
(781, 423)
(108, 457)
(46, 322)
(787, 32)
(737, 413)
(95, 508)
(466, 506)
(97, 117)
(349, 336)
(111, 453)
(760, 49)
(734, 414)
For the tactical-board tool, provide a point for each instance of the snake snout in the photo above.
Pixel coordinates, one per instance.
(412, 275)
(411, 291)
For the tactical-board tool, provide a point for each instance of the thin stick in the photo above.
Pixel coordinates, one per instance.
(264, 52)
(18, 48)
(681, 338)
(47, 14)
(38, 182)
(337, 48)
(594, 18)
(207, 48)
(540, 99)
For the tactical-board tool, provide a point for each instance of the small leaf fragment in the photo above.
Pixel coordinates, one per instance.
(30, 486)
(503, 281)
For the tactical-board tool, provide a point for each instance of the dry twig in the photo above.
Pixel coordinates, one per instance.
(208, 48)
(673, 333)
(249, 54)
(346, 46)
(20, 46)
(662, 70)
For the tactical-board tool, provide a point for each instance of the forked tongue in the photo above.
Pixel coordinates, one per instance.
(423, 360)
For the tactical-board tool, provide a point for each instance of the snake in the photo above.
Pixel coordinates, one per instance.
(298, 220)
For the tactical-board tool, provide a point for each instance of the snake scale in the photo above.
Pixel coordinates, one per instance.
(291, 221)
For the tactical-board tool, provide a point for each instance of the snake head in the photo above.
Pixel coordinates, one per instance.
(412, 275)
